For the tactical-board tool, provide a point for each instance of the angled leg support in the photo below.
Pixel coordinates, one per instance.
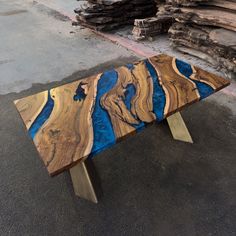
(178, 128)
(83, 175)
(85, 182)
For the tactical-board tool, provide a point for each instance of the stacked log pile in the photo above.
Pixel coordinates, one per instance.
(104, 15)
(217, 46)
(206, 29)
(152, 26)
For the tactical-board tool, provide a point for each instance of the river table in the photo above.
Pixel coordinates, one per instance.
(69, 124)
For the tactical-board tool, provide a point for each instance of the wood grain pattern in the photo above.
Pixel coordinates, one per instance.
(30, 107)
(179, 90)
(77, 120)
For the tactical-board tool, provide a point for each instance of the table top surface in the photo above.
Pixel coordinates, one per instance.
(77, 120)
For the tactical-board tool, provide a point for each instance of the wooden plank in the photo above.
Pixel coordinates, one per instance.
(178, 128)
(185, 2)
(230, 5)
(85, 117)
(208, 16)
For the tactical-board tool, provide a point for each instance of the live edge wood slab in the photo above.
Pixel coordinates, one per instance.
(75, 121)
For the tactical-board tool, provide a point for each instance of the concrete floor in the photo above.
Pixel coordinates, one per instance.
(152, 185)
(39, 45)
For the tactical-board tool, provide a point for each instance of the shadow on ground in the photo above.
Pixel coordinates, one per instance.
(152, 185)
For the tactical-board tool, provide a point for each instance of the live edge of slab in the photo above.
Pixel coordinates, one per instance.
(77, 120)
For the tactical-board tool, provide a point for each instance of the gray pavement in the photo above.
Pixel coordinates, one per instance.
(39, 45)
(152, 185)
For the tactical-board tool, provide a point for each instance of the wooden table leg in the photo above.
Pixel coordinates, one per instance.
(178, 128)
(84, 181)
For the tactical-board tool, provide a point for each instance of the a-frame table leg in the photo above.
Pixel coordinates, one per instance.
(83, 175)
(178, 128)
(84, 181)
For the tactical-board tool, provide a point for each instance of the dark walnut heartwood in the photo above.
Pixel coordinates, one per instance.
(77, 120)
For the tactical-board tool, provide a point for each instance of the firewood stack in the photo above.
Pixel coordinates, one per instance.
(206, 29)
(104, 15)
